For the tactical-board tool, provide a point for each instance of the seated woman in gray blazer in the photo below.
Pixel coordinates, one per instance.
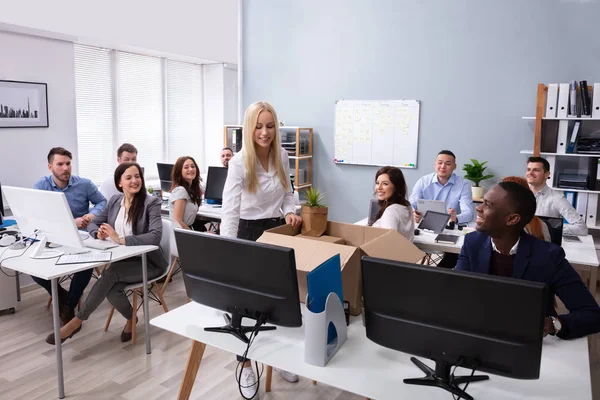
(130, 219)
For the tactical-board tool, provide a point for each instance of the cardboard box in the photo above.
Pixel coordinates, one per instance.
(360, 240)
(324, 238)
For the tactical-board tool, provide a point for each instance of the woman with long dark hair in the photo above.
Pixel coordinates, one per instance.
(129, 219)
(186, 193)
(395, 211)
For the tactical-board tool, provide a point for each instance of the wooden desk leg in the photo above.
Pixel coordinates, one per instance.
(191, 370)
(268, 378)
(593, 280)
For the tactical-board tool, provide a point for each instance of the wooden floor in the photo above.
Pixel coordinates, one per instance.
(98, 366)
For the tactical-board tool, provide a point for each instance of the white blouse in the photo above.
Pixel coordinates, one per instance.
(400, 218)
(270, 200)
(122, 227)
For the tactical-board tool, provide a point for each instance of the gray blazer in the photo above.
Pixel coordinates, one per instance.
(148, 228)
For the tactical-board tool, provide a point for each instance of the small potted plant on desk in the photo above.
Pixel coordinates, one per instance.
(474, 173)
(314, 214)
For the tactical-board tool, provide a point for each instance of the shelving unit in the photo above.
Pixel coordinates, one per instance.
(299, 147)
(554, 133)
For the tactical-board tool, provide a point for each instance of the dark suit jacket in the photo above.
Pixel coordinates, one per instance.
(148, 227)
(541, 261)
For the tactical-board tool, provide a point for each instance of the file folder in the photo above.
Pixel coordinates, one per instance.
(596, 101)
(321, 281)
(563, 100)
(552, 100)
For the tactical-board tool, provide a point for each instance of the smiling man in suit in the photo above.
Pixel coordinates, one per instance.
(500, 247)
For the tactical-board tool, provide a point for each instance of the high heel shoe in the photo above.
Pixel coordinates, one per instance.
(50, 338)
(126, 336)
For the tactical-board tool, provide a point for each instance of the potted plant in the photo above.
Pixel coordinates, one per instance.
(474, 173)
(314, 213)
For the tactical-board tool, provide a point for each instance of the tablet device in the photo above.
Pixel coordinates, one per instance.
(434, 221)
(431, 205)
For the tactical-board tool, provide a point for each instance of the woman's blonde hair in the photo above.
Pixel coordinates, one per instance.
(250, 158)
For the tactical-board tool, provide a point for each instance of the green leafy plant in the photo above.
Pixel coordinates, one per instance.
(474, 172)
(314, 198)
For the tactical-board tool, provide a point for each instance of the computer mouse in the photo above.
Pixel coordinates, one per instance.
(7, 240)
(417, 232)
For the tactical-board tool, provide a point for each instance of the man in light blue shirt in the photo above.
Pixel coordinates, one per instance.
(445, 185)
(80, 192)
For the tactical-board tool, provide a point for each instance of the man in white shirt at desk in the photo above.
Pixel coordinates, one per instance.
(226, 155)
(549, 202)
(125, 153)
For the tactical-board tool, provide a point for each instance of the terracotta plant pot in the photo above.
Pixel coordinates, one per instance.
(314, 220)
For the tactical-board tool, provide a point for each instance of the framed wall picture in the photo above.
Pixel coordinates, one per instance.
(23, 104)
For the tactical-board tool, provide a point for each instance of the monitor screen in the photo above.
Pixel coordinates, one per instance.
(165, 172)
(1, 204)
(479, 321)
(215, 182)
(555, 228)
(225, 277)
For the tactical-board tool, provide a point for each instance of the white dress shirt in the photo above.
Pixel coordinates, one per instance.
(554, 204)
(270, 200)
(400, 218)
(512, 251)
(108, 188)
(122, 227)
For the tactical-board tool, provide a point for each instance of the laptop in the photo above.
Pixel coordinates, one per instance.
(431, 205)
(373, 210)
(434, 222)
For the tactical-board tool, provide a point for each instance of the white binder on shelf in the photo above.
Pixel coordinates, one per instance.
(596, 101)
(592, 208)
(563, 133)
(563, 100)
(552, 100)
(582, 200)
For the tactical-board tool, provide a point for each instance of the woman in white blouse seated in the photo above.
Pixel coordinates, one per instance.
(130, 219)
(256, 191)
(186, 194)
(395, 210)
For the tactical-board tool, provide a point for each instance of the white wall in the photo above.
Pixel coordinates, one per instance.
(197, 28)
(24, 150)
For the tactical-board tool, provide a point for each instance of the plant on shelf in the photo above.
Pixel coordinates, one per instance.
(314, 213)
(475, 173)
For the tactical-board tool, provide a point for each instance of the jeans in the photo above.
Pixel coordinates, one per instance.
(78, 284)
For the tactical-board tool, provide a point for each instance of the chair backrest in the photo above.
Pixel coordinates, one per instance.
(555, 226)
(174, 224)
(165, 240)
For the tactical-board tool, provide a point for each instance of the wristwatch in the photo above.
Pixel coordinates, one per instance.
(557, 325)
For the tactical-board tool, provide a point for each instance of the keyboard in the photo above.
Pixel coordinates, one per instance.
(99, 244)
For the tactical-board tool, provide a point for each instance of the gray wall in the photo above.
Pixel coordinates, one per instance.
(474, 64)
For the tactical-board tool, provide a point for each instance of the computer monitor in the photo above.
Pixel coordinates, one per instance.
(44, 215)
(215, 182)
(243, 278)
(555, 227)
(472, 320)
(373, 210)
(1, 206)
(165, 172)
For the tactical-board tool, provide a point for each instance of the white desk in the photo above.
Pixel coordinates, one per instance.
(373, 371)
(47, 269)
(582, 255)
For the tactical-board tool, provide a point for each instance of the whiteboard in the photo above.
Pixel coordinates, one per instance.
(372, 132)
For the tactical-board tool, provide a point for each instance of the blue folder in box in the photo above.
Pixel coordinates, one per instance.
(321, 281)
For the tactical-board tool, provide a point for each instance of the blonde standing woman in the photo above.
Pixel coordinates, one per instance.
(257, 195)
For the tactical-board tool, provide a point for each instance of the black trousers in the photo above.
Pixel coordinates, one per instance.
(252, 230)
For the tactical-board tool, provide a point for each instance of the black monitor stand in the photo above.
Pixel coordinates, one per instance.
(234, 327)
(442, 378)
